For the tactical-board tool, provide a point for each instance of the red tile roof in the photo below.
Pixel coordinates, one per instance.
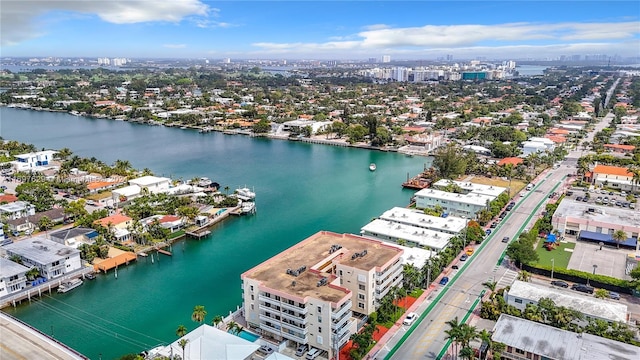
(611, 170)
(169, 218)
(620, 147)
(510, 160)
(114, 219)
(8, 198)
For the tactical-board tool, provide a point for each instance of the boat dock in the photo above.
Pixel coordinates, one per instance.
(199, 233)
(420, 181)
(164, 252)
(116, 258)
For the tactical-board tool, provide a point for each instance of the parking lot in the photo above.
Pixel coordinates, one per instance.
(608, 261)
(601, 197)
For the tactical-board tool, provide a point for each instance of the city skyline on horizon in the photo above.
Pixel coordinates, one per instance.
(322, 30)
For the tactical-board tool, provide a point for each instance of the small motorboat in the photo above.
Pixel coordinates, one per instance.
(372, 167)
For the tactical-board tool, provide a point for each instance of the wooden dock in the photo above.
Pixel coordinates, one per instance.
(107, 264)
(199, 233)
(420, 181)
(164, 252)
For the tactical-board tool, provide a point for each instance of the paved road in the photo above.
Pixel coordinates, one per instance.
(459, 297)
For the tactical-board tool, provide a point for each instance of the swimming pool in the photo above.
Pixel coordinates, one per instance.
(248, 336)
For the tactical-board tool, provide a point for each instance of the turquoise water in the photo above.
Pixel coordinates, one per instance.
(248, 336)
(301, 189)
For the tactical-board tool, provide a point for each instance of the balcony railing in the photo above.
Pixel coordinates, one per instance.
(299, 339)
(338, 315)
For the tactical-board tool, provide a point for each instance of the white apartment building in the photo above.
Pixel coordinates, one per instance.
(466, 205)
(449, 225)
(51, 258)
(12, 277)
(35, 161)
(406, 235)
(468, 187)
(306, 294)
(17, 210)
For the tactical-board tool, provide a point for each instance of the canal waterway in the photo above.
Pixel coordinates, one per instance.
(301, 189)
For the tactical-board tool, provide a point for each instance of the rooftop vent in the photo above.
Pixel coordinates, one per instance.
(297, 272)
(334, 248)
(322, 282)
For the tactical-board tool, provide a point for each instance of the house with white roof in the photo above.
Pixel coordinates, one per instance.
(532, 147)
(51, 258)
(522, 293)
(17, 210)
(151, 184)
(13, 277)
(467, 187)
(35, 161)
(449, 225)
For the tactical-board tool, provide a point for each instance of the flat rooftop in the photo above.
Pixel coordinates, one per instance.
(9, 268)
(471, 198)
(425, 237)
(555, 343)
(41, 250)
(450, 224)
(570, 208)
(471, 187)
(314, 253)
(600, 308)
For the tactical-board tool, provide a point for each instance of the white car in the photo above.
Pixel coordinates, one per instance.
(410, 319)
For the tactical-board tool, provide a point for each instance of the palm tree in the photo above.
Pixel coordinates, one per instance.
(467, 334)
(181, 331)
(233, 327)
(491, 285)
(619, 236)
(467, 353)
(183, 344)
(199, 313)
(524, 276)
(217, 320)
(454, 334)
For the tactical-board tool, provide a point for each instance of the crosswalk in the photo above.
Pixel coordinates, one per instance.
(507, 279)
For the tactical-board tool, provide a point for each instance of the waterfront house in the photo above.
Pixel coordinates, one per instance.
(525, 339)
(35, 161)
(171, 222)
(16, 210)
(118, 225)
(53, 260)
(74, 237)
(151, 184)
(307, 293)
(12, 277)
(96, 186)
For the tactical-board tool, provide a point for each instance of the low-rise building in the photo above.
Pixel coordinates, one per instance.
(12, 277)
(152, 184)
(35, 161)
(56, 215)
(526, 340)
(571, 217)
(52, 259)
(467, 187)
(306, 294)
(522, 293)
(409, 235)
(118, 224)
(16, 210)
(74, 237)
(449, 225)
(613, 176)
(467, 205)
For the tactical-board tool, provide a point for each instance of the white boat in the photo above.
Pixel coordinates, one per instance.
(204, 182)
(372, 167)
(183, 128)
(68, 286)
(245, 192)
(248, 207)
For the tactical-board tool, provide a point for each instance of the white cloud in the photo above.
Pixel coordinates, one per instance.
(18, 17)
(432, 38)
(175, 46)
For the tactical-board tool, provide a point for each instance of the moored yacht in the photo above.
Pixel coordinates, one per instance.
(70, 285)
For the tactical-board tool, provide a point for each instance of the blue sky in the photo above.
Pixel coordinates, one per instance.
(318, 29)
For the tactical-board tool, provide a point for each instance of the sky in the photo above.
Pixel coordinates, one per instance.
(320, 29)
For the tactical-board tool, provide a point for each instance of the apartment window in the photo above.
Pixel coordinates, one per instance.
(319, 309)
(252, 297)
(277, 298)
(340, 272)
(520, 351)
(518, 301)
(319, 339)
(360, 296)
(319, 318)
(319, 329)
(361, 305)
(361, 286)
(251, 287)
(251, 306)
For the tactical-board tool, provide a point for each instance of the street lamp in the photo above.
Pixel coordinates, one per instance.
(594, 268)
(553, 263)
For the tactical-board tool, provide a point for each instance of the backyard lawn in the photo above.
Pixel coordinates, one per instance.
(516, 185)
(559, 254)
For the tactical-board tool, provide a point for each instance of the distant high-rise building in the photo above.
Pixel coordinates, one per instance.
(104, 61)
(373, 60)
(400, 73)
(449, 57)
(227, 61)
(386, 58)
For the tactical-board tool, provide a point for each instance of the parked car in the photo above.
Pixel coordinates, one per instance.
(560, 283)
(488, 231)
(585, 199)
(444, 280)
(455, 267)
(569, 193)
(505, 239)
(266, 350)
(410, 319)
(493, 225)
(469, 251)
(464, 257)
(614, 295)
(579, 198)
(582, 288)
(313, 353)
(302, 349)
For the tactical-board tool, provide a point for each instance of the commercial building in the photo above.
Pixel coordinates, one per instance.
(52, 259)
(612, 176)
(522, 293)
(526, 340)
(12, 277)
(571, 217)
(307, 293)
